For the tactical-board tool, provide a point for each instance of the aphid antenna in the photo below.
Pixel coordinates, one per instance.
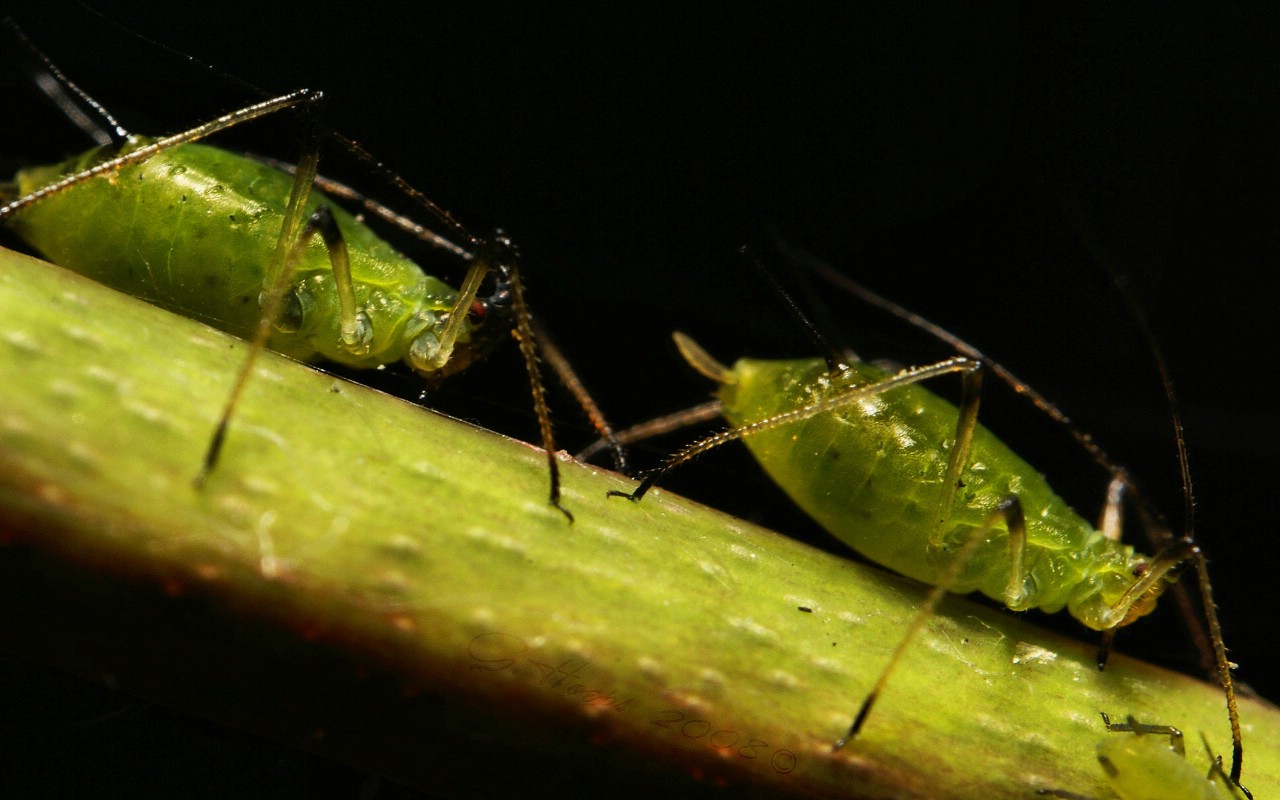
(836, 357)
(71, 101)
(553, 355)
(358, 151)
(382, 211)
(830, 274)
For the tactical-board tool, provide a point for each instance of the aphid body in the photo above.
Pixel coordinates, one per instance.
(871, 472)
(193, 229)
(1147, 768)
(1149, 762)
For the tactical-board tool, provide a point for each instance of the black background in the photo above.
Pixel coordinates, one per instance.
(978, 164)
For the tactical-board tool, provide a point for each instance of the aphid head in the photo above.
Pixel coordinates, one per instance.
(1145, 602)
(1121, 592)
(488, 321)
(484, 330)
(1151, 576)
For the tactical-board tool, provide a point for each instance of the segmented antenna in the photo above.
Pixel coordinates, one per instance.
(73, 102)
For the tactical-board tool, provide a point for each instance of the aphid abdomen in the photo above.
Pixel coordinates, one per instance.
(872, 473)
(195, 228)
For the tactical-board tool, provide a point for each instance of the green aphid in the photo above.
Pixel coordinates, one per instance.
(251, 249)
(916, 484)
(1149, 762)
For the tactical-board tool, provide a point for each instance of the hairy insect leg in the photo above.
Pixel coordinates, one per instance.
(966, 424)
(1224, 664)
(1010, 511)
(1131, 725)
(499, 255)
(659, 426)
(1216, 771)
(507, 264)
(957, 459)
(1122, 492)
(288, 251)
(835, 402)
(552, 354)
(141, 154)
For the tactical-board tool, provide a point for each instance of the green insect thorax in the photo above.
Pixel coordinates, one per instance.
(872, 472)
(195, 229)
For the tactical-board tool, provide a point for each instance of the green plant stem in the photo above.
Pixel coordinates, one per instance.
(391, 588)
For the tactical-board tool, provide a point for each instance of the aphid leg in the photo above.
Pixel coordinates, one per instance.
(966, 424)
(1130, 605)
(498, 254)
(1121, 491)
(837, 401)
(1010, 511)
(1131, 725)
(284, 264)
(957, 459)
(505, 261)
(1111, 520)
(1216, 771)
(355, 330)
(1111, 525)
(704, 363)
(1224, 665)
(659, 426)
(114, 165)
(1173, 555)
(569, 377)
